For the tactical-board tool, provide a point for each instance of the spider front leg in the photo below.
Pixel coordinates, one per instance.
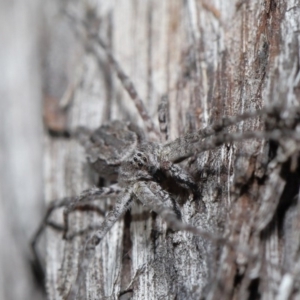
(156, 199)
(214, 134)
(45, 221)
(122, 205)
(184, 151)
(80, 203)
(72, 203)
(182, 177)
(163, 118)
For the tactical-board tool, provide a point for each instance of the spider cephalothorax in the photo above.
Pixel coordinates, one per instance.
(141, 164)
(109, 145)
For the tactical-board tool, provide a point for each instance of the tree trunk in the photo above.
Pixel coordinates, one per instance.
(21, 152)
(212, 59)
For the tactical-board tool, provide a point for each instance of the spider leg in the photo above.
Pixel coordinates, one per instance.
(122, 205)
(123, 77)
(54, 205)
(180, 148)
(79, 203)
(166, 199)
(233, 120)
(128, 86)
(182, 177)
(184, 150)
(163, 118)
(154, 197)
(88, 195)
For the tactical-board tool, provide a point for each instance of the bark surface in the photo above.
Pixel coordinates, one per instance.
(21, 152)
(212, 59)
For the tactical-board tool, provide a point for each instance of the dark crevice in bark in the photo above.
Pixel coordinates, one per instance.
(288, 197)
(246, 187)
(238, 280)
(253, 289)
(126, 295)
(101, 182)
(126, 255)
(273, 146)
(59, 134)
(38, 275)
(155, 233)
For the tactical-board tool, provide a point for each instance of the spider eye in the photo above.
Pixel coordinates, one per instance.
(140, 164)
(139, 154)
(144, 159)
(135, 159)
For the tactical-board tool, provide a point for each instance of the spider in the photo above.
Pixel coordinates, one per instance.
(143, 168)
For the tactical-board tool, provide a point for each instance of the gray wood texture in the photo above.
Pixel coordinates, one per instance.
(21, 151)
(212, 59)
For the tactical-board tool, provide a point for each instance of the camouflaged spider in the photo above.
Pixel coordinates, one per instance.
(120, 150)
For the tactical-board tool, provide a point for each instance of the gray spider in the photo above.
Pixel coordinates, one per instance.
(118, 150)
(142, 168)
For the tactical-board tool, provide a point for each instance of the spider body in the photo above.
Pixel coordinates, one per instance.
(142, 171)
(107, 146)
(145, 171)
(141, 164)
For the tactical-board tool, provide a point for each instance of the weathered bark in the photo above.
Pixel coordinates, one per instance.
(21, 152)
(212, 59)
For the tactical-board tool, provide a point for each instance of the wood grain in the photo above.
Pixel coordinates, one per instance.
(212, 60)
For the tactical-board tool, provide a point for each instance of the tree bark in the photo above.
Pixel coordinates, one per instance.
(212, 59)
(21, 152)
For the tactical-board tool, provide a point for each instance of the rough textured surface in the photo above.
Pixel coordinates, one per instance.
(212, 59)
(21, 157)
